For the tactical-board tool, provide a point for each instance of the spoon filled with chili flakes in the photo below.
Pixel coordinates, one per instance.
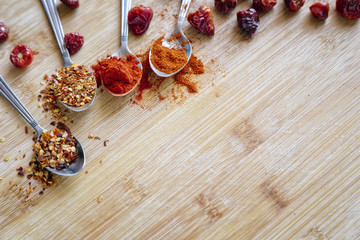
(74, 85)
(57, 150)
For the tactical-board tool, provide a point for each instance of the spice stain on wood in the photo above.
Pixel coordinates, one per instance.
(274, 193)
(132, 188)
(315, 233)
(248, 134)
(208, 207)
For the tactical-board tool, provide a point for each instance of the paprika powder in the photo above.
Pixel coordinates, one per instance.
(119, 75)
(168, 59)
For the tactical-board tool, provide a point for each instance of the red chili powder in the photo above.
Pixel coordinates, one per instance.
(118, 75)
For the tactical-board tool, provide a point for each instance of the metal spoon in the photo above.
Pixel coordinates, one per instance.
(124, 50)
(74, 167)
(54, 19)
(182, 42)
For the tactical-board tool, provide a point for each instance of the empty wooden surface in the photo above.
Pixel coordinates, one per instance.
(268, 148)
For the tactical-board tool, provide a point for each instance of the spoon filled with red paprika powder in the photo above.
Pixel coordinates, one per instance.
(171, 53)
(121, 72)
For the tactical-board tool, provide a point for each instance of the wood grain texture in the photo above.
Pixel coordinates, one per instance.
(268, 149)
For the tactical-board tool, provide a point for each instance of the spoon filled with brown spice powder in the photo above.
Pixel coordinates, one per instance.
(74, 85)
(57, 150)
(170, 53)
(121, 72)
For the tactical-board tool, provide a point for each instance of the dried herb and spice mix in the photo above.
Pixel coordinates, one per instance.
(74, 85)
(55, 148)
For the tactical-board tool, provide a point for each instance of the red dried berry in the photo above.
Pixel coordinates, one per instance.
(263, 5)
(294, 5)
(73, 42)
(21, 56)
(202, 19)
(248, 21)
(225, 6)
(71, 3)
(4, 32)
(139, 19)
(320, 10)
(348, 8)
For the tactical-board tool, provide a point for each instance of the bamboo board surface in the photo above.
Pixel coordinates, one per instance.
(268, 148)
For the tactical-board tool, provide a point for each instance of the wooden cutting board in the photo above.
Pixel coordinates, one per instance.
(268, 148)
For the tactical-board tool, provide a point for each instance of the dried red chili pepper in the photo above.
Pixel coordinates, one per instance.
(225, 6)
(71, 3)
(4, 32)
(139, 19)
(320, 10)
(202, 19)
(248, 21)
(294, 5)
(348, 8)
(73, 41)
(21, 56)
(263, 5)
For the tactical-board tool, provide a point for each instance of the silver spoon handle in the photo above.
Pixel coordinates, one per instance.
(6, 91)
(54, 19)
(125, 8)
(185, 4)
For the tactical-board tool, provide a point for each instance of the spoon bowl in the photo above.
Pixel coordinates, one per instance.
(180, 43)
(183, 42)
(54, 20)
(76, 166)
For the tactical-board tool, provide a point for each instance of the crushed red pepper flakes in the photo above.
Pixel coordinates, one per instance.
(75, 85)
(56, 148)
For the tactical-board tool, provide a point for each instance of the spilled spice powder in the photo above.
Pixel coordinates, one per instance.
(184, 77)
(166, 57)
(151, 83)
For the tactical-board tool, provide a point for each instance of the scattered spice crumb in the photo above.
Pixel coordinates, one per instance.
(0, 180)
(105, 143)
(100, 199)
(7, 158)
(41, 192)
(53, 123)
(91, 135)
(21, 171)
(2, 139)
(36, 51)
(86, 172)
(97, 138)
(100, 161)
(24, 155)
(26, 130)
(16, 158)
